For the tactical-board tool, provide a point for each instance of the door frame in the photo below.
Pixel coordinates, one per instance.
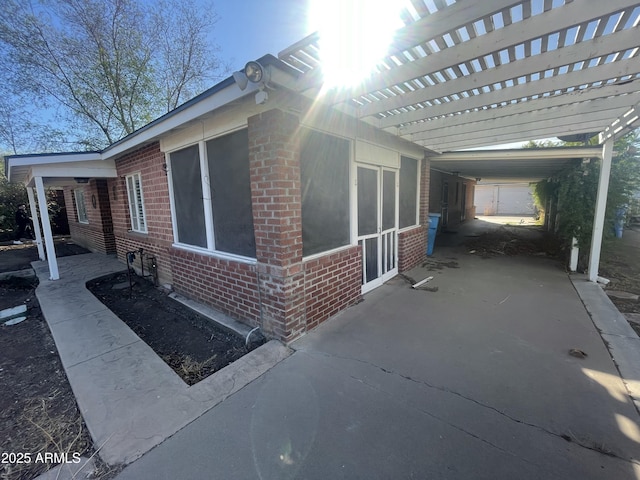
(384, 238)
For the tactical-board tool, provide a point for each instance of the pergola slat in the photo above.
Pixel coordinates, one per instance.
(519, 113)
(557, 58)
(579, 114)
(530, 88)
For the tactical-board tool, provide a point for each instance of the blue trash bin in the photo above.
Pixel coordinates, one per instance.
(619, 222)
(434, 218)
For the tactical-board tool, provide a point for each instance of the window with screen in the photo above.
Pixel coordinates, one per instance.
(408, 192)
(186, 178)
(324, 173)
(228, 162)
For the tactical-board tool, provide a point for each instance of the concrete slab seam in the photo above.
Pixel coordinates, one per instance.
(103, 354)
(477, 402)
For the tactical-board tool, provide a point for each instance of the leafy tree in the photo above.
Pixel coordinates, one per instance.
(575, 190)
(108, 66)
(11, 195)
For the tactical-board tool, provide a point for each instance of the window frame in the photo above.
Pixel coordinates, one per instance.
(350, 195)
(418, 185)
(210, 249)
(78, 193)
(133, 212)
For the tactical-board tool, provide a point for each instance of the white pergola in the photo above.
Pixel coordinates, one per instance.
(474, 73)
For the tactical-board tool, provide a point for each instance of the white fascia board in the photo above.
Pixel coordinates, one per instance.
(53, 159)
(219, 99)
(521, 154)
(29, 160)
(96, 169)
(83, 172)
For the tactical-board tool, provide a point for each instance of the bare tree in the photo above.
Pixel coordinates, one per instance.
(185, 63)
(112, 65)
(23, 132)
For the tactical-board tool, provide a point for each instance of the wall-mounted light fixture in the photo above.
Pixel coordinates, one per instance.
(255, 73)
(165, 168)
(81, 179)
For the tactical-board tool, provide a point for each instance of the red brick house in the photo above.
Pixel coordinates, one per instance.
(281, 201)
(276, 211)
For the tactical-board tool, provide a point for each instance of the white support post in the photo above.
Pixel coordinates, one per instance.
(46, 226)
(36, 223)
(601, 204)
(575, 252)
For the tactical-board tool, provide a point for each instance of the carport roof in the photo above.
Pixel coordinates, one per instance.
(526, 164)
(467, 74)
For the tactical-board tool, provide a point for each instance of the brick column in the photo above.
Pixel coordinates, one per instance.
(274, 156)
(425, 178)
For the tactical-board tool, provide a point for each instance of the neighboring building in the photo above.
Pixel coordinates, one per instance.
(511, 199)
(278, 213)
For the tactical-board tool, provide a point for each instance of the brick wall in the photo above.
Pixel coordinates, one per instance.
(332, 283)
(425, 185)
(229, 286)
(295, 296)
(412, 247)
(97, 235)
(274, 162)
(148, 161)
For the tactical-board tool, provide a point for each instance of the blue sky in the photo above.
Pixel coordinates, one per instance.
(249, 29)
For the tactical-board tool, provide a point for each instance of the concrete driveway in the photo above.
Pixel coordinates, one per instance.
(471, 381)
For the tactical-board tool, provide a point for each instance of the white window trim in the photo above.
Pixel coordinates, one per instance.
(326, 253)
(418, 192)
(134, 208)
(210, 250)
(215, 253)
(79, 193)
(418, 182)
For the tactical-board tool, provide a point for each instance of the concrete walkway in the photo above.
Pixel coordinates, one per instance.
(473, 380)
(130, 399)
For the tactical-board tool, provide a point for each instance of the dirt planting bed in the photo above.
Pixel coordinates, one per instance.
(39, 416)
(192, 345)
